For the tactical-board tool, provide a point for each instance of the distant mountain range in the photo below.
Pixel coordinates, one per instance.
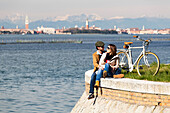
(70, 21)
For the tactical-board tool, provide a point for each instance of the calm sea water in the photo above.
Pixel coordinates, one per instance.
(49, 78)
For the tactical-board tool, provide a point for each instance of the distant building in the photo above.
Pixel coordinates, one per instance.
(122, 31)
(148, 31)
(164, 31)
(26, 31)
(2, 27)
(134, 31)
(87, 24)
(95, 28)
(119, 30)
(46, 30)
(143, 28)
(76, 26)
(26, 23)
(115, 28)
(10, 30)
(16, 31)
(82, 27)
(61, 31)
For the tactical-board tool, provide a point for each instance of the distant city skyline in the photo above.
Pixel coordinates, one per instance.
(39, 9)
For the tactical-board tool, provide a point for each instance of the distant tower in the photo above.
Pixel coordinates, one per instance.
(114, 27)
(87, 24)
(76, 26)
(143, 28)
(26, 23)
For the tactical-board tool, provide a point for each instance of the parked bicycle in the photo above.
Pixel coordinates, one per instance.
(147, 63)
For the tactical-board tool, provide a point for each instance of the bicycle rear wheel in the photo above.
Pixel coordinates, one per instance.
(149, 65)
(123, 60)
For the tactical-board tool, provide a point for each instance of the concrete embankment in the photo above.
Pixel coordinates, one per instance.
(125, 96)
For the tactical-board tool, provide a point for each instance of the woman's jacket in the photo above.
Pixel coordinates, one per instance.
(114, 61)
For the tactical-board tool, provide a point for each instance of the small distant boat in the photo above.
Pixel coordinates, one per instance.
(23, 33)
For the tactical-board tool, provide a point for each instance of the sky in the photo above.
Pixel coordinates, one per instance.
(39, 9)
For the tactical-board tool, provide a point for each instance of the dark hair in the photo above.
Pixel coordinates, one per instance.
(97, 47)
(99, 44)
(113, 49)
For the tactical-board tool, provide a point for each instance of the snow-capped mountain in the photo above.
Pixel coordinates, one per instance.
(11, 21)
(16, 18)
(80, 20)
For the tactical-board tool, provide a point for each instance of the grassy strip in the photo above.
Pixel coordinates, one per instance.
(162, 76)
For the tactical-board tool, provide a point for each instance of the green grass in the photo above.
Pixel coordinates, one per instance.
(163, 75)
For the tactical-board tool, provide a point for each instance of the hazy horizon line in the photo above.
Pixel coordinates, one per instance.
(61, 18)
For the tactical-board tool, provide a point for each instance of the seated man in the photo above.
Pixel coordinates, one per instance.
(96, 58)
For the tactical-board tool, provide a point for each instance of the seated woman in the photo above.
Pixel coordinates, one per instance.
(109, 64)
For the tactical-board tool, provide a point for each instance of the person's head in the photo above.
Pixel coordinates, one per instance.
(99, 45)
(112, 49)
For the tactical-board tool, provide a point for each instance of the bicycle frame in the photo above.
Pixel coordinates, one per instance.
(129, 54)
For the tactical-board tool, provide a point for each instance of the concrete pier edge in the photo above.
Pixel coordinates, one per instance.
(134, 85)
(125, 95)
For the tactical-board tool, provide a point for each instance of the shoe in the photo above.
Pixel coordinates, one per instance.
(91, 95)
(97, 83)
(104, 74)
(118, 76)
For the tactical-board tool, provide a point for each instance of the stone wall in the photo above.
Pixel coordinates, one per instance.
(125, 96)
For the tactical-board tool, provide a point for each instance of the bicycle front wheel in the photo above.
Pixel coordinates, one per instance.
(123, 63)
(148, 64)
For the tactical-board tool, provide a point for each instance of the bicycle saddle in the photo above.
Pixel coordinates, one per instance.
(127, 43)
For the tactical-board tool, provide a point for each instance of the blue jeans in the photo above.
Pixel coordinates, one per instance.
(109, 72)
(92, 82)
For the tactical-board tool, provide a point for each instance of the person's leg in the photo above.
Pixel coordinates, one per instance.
(92, 82)
(99, 75)
(118, 74)
(118, 71)
(107, 71)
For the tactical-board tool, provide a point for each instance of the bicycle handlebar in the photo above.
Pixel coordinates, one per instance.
(138, 37)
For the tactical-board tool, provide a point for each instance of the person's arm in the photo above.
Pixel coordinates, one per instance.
(116, 65)
(95, 62)
(102, 59)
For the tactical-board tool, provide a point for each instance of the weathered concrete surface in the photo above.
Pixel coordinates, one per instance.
(126, 84)
(125, 96)
(104, 105)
